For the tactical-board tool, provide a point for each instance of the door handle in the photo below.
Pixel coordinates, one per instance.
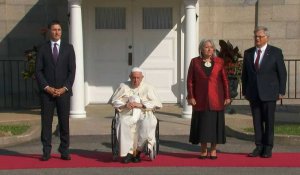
(130, 59)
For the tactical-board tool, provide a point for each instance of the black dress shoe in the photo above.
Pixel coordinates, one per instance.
(213, 157)
(202, 157)
(267, 153)
(256, 152)
(65, 157)
(45, 157)
(128, 158)
(137, 157)
(203, 154)
(64, 154)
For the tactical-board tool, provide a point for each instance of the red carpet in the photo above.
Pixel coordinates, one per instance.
(104, 159)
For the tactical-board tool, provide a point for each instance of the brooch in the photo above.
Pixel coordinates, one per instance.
(207, 64)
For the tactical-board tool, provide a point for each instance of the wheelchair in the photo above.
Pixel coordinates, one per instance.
(115, 144)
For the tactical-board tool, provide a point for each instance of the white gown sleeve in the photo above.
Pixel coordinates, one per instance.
(152, 101)
(120, 96)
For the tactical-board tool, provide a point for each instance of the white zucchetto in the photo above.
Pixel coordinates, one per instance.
(137, 69)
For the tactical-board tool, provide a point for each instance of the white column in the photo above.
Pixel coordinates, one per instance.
(76, 38)
(190, 49)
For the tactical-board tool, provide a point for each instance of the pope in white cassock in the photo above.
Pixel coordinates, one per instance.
(135, 100)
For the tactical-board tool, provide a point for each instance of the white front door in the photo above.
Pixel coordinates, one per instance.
(121, 34)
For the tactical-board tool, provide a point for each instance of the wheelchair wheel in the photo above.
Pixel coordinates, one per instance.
(152, 153)
(157, 136)
(114, 140)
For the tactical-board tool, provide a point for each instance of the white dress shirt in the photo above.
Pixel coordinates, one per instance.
(263, 49)
(58, 45)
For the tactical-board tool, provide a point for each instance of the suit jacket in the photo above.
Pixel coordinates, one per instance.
(269, 81)
(208, 91)
(59, 74)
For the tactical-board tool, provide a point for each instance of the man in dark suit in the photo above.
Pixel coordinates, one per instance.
(263, 82)
(55, 74)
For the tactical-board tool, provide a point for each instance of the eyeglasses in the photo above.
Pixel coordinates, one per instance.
(260, 37)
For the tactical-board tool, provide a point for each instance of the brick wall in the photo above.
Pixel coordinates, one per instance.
(20, 25)
(235, 20)
(283, 19)
(21, 21)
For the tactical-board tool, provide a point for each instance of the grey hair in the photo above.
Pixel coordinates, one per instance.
(263, 28)
(201, 46)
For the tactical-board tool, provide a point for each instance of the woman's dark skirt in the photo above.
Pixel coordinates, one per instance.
(207, 127)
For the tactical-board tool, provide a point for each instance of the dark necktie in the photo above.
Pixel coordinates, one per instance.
(257, 59)
(55, 52)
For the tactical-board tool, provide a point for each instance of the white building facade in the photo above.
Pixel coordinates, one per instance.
(160, 36)
(112, 37)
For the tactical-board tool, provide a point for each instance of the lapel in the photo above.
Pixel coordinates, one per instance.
(252, 53)
(215, 64)
(200, 63)
(60, 53)
(49, 52)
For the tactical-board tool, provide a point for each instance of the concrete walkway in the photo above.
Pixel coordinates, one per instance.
(98, 122)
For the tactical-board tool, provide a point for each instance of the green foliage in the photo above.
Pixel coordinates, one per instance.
(231, 57)
(15, 129)
(283, 128)
(228, 53)
(30, 56)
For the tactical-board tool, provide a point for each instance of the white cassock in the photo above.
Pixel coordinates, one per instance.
(137, 126)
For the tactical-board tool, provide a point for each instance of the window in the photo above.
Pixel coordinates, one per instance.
(157, 18)
(110, 18)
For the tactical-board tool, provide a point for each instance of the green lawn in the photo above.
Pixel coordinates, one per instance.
(15, 129)
(285, 129)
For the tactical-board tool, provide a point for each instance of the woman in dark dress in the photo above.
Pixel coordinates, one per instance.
(208, 93)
